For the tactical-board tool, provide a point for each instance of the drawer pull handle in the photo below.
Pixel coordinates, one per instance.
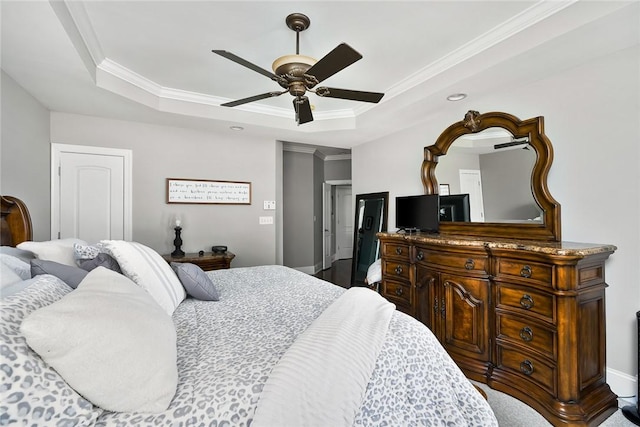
(470, 264)
(398, 270)
(526, 367)
(398, 251)
(526, 271)
(526, 302)
(526, 334)
(420, 256)
(399, 291)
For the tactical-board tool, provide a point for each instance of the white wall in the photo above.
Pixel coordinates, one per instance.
(24, 154)
(161, 152)
(592, 119)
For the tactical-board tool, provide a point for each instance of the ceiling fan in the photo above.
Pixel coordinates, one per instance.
(299, 74)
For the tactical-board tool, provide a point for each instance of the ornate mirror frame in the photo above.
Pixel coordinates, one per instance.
(474, 122)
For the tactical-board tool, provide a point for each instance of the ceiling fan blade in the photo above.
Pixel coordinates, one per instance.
(354, 95)
(252, 98)
(303, 110)
(246, 63)
(338, 59)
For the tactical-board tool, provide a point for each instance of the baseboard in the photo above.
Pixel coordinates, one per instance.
(310, 269)
(624, 385)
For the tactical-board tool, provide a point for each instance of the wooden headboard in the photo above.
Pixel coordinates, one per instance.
(15, 225)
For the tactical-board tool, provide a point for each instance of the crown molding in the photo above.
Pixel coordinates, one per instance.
(75, 20)
(331, 157)
(494, 36)
(297, 148)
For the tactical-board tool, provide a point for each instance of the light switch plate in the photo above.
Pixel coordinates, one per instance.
(269, 205)
(265, 220)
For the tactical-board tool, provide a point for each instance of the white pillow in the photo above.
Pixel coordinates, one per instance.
(110, 342)
(60, 250)
(148, 270)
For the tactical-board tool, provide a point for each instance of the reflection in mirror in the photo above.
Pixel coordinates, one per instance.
(494, 169)
(370, 218)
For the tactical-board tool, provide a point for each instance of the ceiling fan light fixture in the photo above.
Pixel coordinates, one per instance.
(298, 74)
(285, 64)
(456, 97)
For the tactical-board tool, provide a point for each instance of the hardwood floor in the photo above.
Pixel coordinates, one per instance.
(339, 273)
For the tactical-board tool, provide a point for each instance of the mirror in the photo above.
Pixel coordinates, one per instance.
(513, 200)
(370, 218)
(494, 169)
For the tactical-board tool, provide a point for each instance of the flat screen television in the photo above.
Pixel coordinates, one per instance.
(455, 207)
(419, 213)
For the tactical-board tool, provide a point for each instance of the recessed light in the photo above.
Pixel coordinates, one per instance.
(236, 128)
(456, 96)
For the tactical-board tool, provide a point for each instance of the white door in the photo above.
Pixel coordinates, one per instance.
(91, 193)
(344, 222)
(471, 183)
(327, 209)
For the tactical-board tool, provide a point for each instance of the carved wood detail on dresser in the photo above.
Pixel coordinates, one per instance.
(525, 317)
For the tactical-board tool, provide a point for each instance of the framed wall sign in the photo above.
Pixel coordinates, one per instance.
(204, 191)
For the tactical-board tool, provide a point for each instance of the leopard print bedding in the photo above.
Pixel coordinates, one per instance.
(226, 350)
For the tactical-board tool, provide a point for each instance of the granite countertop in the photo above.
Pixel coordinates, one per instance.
(551, 248)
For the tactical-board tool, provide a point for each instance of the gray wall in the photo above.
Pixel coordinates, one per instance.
(24, 153)
(161, 152)
(303, 175)
(337, 169)
(591, 118)
(318, 179)
(506, 185)
(298, 193)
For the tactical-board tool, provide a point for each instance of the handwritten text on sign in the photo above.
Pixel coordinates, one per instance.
(204, 191)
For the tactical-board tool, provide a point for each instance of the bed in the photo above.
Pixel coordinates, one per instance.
(277, 348)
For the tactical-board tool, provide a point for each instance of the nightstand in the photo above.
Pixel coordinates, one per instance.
(207, 261)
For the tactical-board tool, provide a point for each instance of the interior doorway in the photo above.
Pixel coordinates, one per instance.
(471, 183)
(337, 221)
(344, 222)
(90, 193)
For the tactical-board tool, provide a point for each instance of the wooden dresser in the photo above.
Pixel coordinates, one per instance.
(525, 317)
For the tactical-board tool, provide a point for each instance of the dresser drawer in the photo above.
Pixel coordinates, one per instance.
(395, 269)
(531, 272)
(395, 250)
(525, 365)
(470, 263)
(526, 302)
(522, 332)
(397, 292)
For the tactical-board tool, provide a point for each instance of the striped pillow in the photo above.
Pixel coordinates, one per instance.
(149, 270)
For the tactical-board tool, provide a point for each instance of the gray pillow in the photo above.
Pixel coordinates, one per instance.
(101, 260)
(195, 281)
(25, 256)
(72, 276)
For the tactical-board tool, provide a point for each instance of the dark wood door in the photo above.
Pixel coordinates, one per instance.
(465, 328)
